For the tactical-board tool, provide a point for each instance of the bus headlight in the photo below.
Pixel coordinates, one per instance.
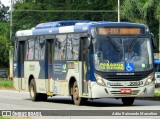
(99, 80)
(149, 79)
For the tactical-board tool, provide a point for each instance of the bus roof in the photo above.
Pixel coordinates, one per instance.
(69, 26)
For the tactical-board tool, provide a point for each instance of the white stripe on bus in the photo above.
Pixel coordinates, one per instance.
(66, 29)
(24, 33)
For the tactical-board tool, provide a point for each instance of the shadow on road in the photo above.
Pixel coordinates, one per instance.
(60, 100)
(96, 103)
(104, 102)
(91, 103)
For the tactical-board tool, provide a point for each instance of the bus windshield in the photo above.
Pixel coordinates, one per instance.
(122, 54)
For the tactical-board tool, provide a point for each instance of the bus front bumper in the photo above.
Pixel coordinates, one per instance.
(98, 91)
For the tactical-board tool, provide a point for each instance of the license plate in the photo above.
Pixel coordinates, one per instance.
(125, 91)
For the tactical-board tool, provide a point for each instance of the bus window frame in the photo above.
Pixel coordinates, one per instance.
(26, 45)
(27, 42)
(55, 47)
(44, 48)
(17, 42)
(51, 59)
(15, 56)
(79, 47)
(81, 36)
(128, 36)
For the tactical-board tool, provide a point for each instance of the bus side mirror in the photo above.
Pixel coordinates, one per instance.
(154, 42)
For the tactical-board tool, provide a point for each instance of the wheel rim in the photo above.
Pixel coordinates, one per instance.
(32, 91)
(75, 93)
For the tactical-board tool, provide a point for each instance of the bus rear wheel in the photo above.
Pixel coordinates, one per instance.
(127, 101)
(32, 90)
(76, 99)
(33, 93)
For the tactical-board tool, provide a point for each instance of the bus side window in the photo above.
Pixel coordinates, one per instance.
(39, 48)
(30, 49)
(60, 47)
(72, 47)
(15, 50)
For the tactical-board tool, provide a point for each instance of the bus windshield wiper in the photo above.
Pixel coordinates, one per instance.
(132, 45)
(114, 44)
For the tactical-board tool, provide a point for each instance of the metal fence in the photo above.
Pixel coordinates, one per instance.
(4, 73)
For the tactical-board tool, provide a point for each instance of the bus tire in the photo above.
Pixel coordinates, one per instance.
(33, 91)
(42, 97)
(76, 99)
(127, 101)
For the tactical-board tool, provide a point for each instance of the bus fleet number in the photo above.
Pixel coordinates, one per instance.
(136, 83)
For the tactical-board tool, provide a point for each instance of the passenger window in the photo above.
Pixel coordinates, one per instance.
(15, 50)
(39, 48)
(60, 47)
(158, 76)
(72, 47)
(30, 49)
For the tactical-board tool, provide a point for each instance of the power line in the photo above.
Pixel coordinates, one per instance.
(84, 11)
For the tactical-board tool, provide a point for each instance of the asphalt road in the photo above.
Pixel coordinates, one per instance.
(14, 100)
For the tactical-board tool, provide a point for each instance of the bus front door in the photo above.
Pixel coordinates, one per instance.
(21, 56)
(50, 64)
(85, 61)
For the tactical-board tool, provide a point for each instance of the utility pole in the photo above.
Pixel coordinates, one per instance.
(118, 10)
(10, 52)
(11, 22)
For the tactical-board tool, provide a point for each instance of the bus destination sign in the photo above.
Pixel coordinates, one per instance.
(119, 31)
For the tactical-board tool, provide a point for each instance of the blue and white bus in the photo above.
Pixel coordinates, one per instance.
(85, 60)
(157, 72)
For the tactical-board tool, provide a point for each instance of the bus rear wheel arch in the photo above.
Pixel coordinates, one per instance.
(33, 92)
(76, 98)
(128, 101)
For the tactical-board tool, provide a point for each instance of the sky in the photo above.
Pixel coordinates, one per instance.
(6, 2)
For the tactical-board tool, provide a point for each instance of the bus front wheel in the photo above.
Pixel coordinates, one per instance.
(76, 99)
(127, 101)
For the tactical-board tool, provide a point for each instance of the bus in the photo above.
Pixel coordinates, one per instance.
(85, 60)
(157, 72)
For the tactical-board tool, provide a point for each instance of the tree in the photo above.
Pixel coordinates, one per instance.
(5, 44)
(158, 11)
(29, 13)
(142, 11)
(4, 12)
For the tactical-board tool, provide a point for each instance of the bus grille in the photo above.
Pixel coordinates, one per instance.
(118, 93)
(124, 78)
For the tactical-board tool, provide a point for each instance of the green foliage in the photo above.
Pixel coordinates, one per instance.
(4, 12)
(143, 11)
(30, 18)
(4, 50)
(157, 94)
(4, 36)
(158, 11)
(6, 83)
(1, 117)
